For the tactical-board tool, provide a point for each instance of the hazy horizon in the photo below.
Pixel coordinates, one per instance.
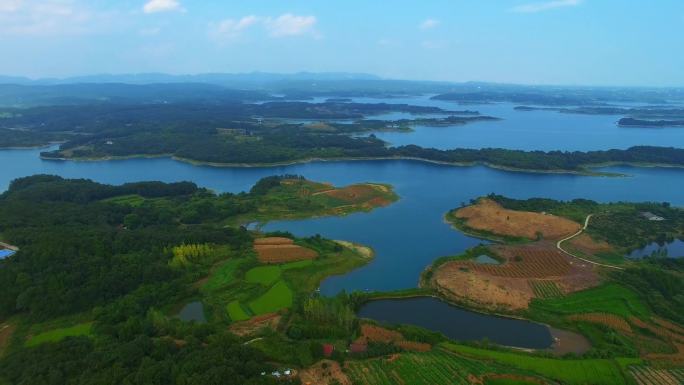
(528, 42)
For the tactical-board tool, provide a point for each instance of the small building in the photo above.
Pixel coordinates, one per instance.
(651, 217)
(328, 350)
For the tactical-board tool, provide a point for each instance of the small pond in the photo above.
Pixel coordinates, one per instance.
(457, 323)
(674, 249)
(194, 311)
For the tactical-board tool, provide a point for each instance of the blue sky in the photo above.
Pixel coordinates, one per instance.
(577, 42)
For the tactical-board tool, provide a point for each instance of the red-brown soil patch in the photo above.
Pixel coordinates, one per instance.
(6, 331)
(414, 346)
(374, 333)
(610, 320)
(587, 245)
(324, 373)
(508, 285)
(255, 324)
(280, 250)
(273, 241)
(488, 215)
(353, 194)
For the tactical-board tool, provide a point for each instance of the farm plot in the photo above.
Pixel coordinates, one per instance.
(279, 296)
(571, 372)
(650, 376)
(546, 289)
(527, 262)
(612, 321)
(236, 312)
(610, 298)
(436, 367)
(366, 195)
(281, 250)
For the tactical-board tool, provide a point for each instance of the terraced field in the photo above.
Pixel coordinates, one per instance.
(436, 367)
(650, 376)
(546, 289)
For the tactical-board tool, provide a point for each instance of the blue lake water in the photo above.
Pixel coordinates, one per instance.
(458, 324)
(674, 249)
(406, 236)
(410, 234)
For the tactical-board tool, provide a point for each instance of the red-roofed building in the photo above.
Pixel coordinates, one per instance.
(328, 349)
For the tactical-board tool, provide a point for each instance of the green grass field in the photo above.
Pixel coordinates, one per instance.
(279, 296)
(264, 275)
(236, 312)
(611, 298)
(223, 275)
(572, 372)
(55, 335)
(297, 265)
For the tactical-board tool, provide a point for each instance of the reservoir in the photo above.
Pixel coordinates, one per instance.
(458, 324)
(407, 235)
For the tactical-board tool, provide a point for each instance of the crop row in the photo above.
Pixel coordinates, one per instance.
(650, 376)
(546, 289)
(436, 367)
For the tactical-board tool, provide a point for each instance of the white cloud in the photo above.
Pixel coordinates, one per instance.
(10, 5)
(154, 6)
(285, 25)
(230, 29)
(290, 25)
(47, 18)
(544, 6)
(429, 24)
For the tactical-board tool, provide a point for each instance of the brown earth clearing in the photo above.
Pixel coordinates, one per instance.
(586, 245)
(281, 250)
(273, 241)
(489, 216)
(364, 194)
(255, 324)
(511, 285)
(325, 372)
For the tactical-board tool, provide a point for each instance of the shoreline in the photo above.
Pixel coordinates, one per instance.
(557, 334)
(586, 172)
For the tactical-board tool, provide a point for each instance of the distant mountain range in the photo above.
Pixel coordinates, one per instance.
(225, 79)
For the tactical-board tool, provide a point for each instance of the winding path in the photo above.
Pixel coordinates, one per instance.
(586, 223)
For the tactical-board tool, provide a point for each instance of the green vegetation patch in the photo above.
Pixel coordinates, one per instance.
(223, 275)
(133, 200)
(84, 329)
(264, 275)
(279, 296)
(236, 312)
(610, 298)
(580, 372)
(297, 265)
